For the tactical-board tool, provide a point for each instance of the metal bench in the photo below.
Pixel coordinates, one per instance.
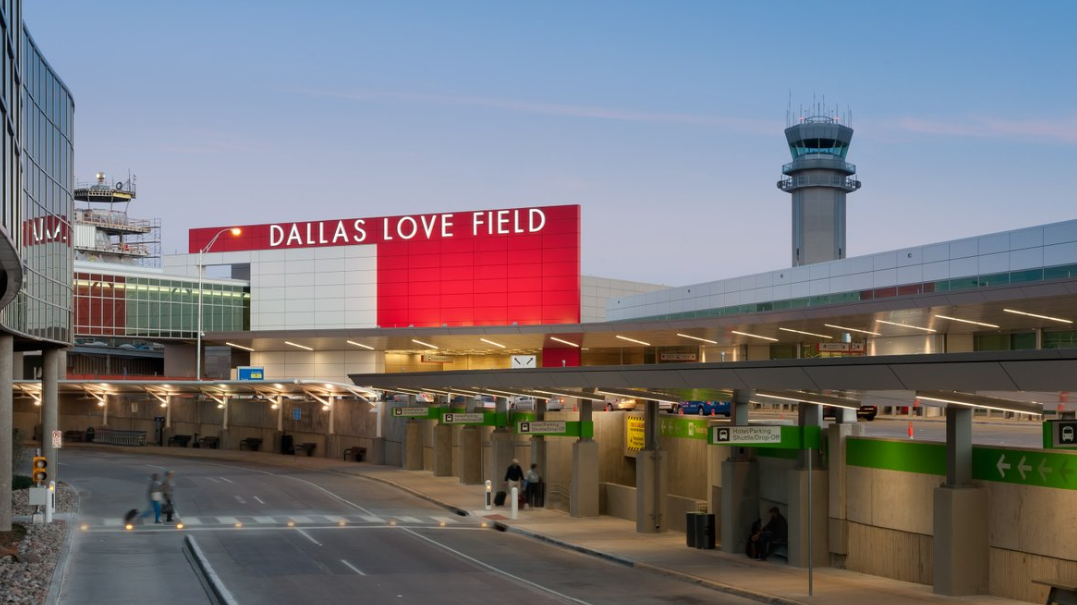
(357, 453)
(209, 442)
(306, 447)
(1063, 592)
(179, 440)
(251, 443)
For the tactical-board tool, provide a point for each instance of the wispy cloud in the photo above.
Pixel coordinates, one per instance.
(560, 109)
(1061, 130)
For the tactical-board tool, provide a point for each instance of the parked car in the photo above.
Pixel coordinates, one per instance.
(704, 408)
(554, 404)
(864, 412)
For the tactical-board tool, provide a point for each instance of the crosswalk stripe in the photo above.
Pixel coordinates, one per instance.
(192, 521)
(228, 520)
(445, 520)
(372, 519)
(113, 523)
(408, 519)
(266, 520)
(335, 519)
(300, 519)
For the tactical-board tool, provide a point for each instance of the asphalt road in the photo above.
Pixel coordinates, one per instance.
(292, 536)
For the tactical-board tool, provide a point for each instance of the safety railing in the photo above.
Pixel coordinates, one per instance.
(110, 436)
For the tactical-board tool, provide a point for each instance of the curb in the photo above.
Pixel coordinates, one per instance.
(500, 525)
(449, 507)
(215, 589)
(60, 570)
(718, 586)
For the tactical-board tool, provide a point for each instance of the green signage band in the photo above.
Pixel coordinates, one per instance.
(791, 437)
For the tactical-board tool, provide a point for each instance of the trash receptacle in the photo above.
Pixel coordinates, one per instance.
(692, 529)
(706, 524)
(286, 445)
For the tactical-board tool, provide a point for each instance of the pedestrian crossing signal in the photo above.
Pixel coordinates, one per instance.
(41, 469)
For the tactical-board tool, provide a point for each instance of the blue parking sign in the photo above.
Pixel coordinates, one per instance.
(296, 413)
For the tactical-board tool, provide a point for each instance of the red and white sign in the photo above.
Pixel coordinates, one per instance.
(485, 267)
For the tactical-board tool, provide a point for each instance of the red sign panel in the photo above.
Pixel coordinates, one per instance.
(486, 267)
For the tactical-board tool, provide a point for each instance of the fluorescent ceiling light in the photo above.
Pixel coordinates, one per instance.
(646, 344)
(713, 342)
(634, 394)
(805, 333)
(852, 329)
(361, 345)
(232, 344)
(900, 325)
(980, 401)
(967, 321)
(490, 342)
(298, 346)
(755, 336)
(425, 344)
(575, 394)
(565, 342)
(1047, 317)
(816, 398)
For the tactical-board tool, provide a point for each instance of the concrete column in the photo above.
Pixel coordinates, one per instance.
(413, 445)
(584, 494)
(504, 452)
(740, 404)
(50, 406)
(652, 480)
(7, 342)
(168, 411)
(538, 442)
(837, 507)
(958, 446)
(797, 488)
(104, 410)
(280, 413)
(443, 450)
(224, 415)
(810, 414)
(332, 417)
(471, 455)
(960, 545)
(740, 502)
(17, 364)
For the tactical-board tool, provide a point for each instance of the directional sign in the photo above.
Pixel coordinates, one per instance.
(1060, 434)
(411, 412)
(747, 435)
(464, 418)
(542, 428)
(297, 413)
(682, 427)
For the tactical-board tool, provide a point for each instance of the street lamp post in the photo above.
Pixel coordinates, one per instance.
(201, 253)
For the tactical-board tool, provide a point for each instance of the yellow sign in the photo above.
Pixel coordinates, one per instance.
(634, 436)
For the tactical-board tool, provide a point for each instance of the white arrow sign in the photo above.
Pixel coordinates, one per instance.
(1002, 466)
(1023, 468)
(1044, 469)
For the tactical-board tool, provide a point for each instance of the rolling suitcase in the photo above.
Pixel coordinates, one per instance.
(499, 498)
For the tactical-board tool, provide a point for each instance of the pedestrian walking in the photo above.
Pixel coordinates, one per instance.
(533, 485)
(168, 508)
(155, 496)
(514, 477)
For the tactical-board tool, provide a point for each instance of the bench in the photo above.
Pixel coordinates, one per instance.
(209, 442)
(251, 443)
(357, 453)
(1063, 592)
(306, 447)
(179, 440)
(74, 436)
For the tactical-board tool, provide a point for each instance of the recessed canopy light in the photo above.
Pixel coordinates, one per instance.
(1047, 317)
(232, 344)
(755, 336)
(805, 333)
(298, 346)
(852, 329)
(900, 325)
(361, 345)
(425, 344)
(565, 342)
(967, 321)
(646, 344)
(713, 342)
(490, 342)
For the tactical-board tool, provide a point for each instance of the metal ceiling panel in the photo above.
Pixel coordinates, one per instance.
(955, 377)
(1038, 376)
(856, 378)
(777, 378)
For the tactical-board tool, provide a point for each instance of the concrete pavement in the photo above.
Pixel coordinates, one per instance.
(616, 540)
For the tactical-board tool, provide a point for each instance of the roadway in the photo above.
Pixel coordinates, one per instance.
(298, 535)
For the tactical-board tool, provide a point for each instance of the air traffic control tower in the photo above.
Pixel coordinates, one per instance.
(819, 178)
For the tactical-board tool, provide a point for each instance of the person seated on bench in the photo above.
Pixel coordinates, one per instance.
(776, 531)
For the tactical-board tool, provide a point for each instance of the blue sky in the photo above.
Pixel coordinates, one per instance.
(663, 120)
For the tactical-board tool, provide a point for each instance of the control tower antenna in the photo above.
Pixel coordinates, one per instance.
(819, 178)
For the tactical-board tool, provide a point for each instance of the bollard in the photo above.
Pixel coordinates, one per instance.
(489, 494)
(50, 502)
(515, 495)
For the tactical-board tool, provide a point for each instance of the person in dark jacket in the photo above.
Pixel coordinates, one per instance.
(514, 477)
(776, 531)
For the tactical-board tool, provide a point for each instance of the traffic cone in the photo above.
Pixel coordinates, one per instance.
(680, 411)
(713, 412)
(910, 430)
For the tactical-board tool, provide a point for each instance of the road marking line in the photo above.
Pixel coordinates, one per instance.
(241, 500)
(228, 520)
(445, 520)
(408, 519)
(335, 519)
(226, 479)
(372, 519)
(113, 523)
(307, 536)
(192, 521)
(260, 501)
(348, 502)
(495, 569)
(213, 479)
(300, 519)
(352, 567)
(265, 520)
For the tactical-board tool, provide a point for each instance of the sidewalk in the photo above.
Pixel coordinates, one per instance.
(616, 540)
